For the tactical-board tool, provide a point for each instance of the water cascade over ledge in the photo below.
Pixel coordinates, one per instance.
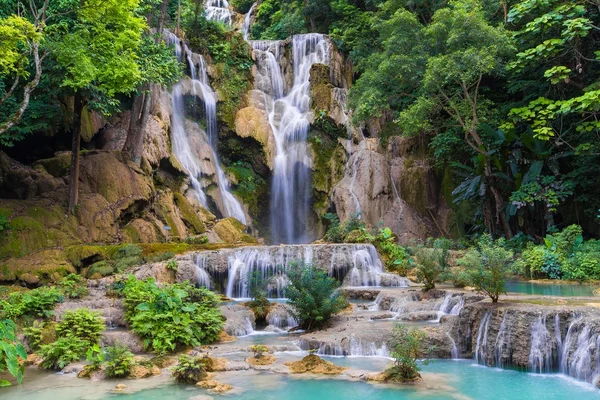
(354, 265)
(289, 117)
(186, 140)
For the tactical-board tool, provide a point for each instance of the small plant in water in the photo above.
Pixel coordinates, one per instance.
(258, 350)
(407, 348)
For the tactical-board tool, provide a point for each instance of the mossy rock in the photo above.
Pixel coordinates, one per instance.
(25, 236)
(57, 166)
(86, 254)
(231, 230)
(44, 264)
(188, 214)
(101, 268)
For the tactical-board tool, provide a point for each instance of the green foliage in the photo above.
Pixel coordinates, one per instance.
(120, 361)
(73, 286)
(62, 352)
(4, 224)
(487, 266)
(171, 316)
(172, 265)
(82, 323)
(407, 348)
(429, 268)
(258, 350)
(313, 295)
(95, 357)
(78, 332)
(394, 256)
(259, 304)
(247, 184)
(38, 302)
(189, 370)
(11, 352)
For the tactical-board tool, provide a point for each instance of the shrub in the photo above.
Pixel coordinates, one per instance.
(394, 256)
(120, 361)
(259, 304)
(95, 357)
(258, 350)
(78, 332)
(11, 352)
(429, 269)
(313, 295)
(486, 264)
(4, 224)
(172, 316)
(189, 370)
(158, 257)
(407, 348)
(81, 323)
(38, 302)
(62, 352)
(73, 286)
(334, 232)
(172, 265)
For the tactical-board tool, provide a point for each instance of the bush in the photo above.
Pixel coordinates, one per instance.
(120, 361)
(73, 286)
(172, 265)
(258, 350)
(38, 302)
(79, 331)
(62, 352)
(429, 269)
(189, 370)
(259, 304)
(313, 295)
(487, 266)
(394, 256)
(83, 324)
(11, 352)
(172, 316)
(407, 348)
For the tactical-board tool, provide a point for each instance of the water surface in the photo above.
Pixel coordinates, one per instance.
(550, 289)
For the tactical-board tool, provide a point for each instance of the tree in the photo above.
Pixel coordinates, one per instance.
(313, 295)
(19, 39)
(429, 268)
(259, 304)
(464, 48)
(407, 348)
(98, 57)
(486, 265)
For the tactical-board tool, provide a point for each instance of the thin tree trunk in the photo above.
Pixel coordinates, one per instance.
(163, 16)
(75, 144)
(134, 144)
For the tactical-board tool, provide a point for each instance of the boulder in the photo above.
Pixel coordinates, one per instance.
(254, 123)
(230, 230)
(30, 280)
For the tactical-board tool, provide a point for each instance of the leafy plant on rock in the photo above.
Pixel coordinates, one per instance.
(407, 348)
(73, 286)
(120, 361)
(189, 370)
(38, 302)
(313, 295)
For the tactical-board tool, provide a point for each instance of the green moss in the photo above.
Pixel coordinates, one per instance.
(80, 254)
(132, 234)
(57, 166)
(328, 160)
(25, 236)
(188, 214)
(101, 268)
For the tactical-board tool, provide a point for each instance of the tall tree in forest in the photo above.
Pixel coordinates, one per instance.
(20, 40)
(98, 55)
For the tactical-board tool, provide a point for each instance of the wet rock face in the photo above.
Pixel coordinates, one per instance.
(536, 338)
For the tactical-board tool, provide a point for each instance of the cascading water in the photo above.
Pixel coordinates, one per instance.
(502, 346)
(289, 119)
(482, 333)
(246, 26)
(580, 357)
(183, 138)
(202, 277)
(218, 10)
(540, 353)
(353, 265)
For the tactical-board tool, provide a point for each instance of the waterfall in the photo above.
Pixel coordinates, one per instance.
(502, 343)
(454, 350)
(289, 119)
(246, 26)
(581, 352)
(353, 347)
(458, 306)
(183, 139)
(482, 333)
(218, 10)
(540, 353)
(352, 264)
(282, 321)
(202, 277)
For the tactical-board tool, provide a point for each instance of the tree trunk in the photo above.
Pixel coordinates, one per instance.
(75, 144)
(498, 202)
(134, 144)
(163, 16)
